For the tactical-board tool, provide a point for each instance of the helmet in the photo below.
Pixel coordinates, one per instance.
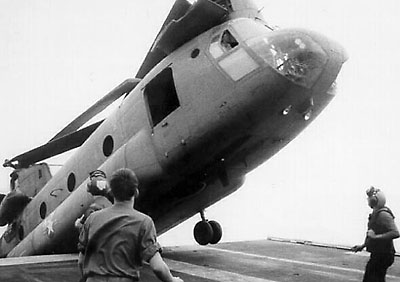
(97, 173)
(97, 184)
(376, 198)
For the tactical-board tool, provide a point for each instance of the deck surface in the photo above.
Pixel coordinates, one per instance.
(256, 261)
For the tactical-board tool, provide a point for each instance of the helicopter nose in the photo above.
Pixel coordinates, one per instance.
(336, 56)
(334, 50)
(300, 56)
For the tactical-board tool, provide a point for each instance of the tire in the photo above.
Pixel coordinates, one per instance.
(217, 232)
(203, 233)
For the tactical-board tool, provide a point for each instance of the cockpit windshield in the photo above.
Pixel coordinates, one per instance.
(292, 53)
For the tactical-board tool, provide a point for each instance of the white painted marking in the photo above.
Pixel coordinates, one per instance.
(15, 261)
(49, 225)
(287, 260)
(360, 254)
(295, 261)
(211, 273)
(339, 276)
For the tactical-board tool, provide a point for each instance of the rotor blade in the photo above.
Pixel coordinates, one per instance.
(154, 55)
(177, 11)
(124, 88)
(180, 31)
(184, 22)
(53, 148)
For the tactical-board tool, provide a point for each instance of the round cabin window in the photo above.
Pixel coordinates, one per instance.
(43, 210)
(108, 146)
(195, 53)
(71, 182)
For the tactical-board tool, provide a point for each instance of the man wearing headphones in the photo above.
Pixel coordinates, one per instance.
(117, 240)
(379, 239)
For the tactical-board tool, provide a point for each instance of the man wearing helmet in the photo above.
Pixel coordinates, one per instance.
(379, 239)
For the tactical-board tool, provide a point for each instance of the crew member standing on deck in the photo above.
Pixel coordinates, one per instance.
(115, 241)
(379, 239)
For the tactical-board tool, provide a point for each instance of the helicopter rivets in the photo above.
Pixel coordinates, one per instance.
(287, 110)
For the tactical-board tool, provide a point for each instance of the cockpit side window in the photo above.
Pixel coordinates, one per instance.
(230, 56)
(222, 44)
(228, 42)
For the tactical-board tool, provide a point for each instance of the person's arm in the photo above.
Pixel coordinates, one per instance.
(82, 243)
(151, 252)
(358, 248)
(392, 232)
(161, 270)
(390, 235)
(81, 257)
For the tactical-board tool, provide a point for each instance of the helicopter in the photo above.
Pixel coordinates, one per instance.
(219, 92)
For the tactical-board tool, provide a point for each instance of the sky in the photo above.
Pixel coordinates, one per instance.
(58, 57)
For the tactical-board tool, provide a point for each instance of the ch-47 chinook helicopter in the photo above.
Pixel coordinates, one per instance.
(219, 93)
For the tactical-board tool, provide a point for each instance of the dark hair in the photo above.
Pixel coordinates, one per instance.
(124, 184)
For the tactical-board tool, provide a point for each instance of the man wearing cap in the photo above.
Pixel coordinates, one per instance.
(115, 241)
(379, 239)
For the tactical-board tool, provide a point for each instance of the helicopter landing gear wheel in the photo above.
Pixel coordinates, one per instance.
(217, 232)
(203, 233)
(207, 232)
